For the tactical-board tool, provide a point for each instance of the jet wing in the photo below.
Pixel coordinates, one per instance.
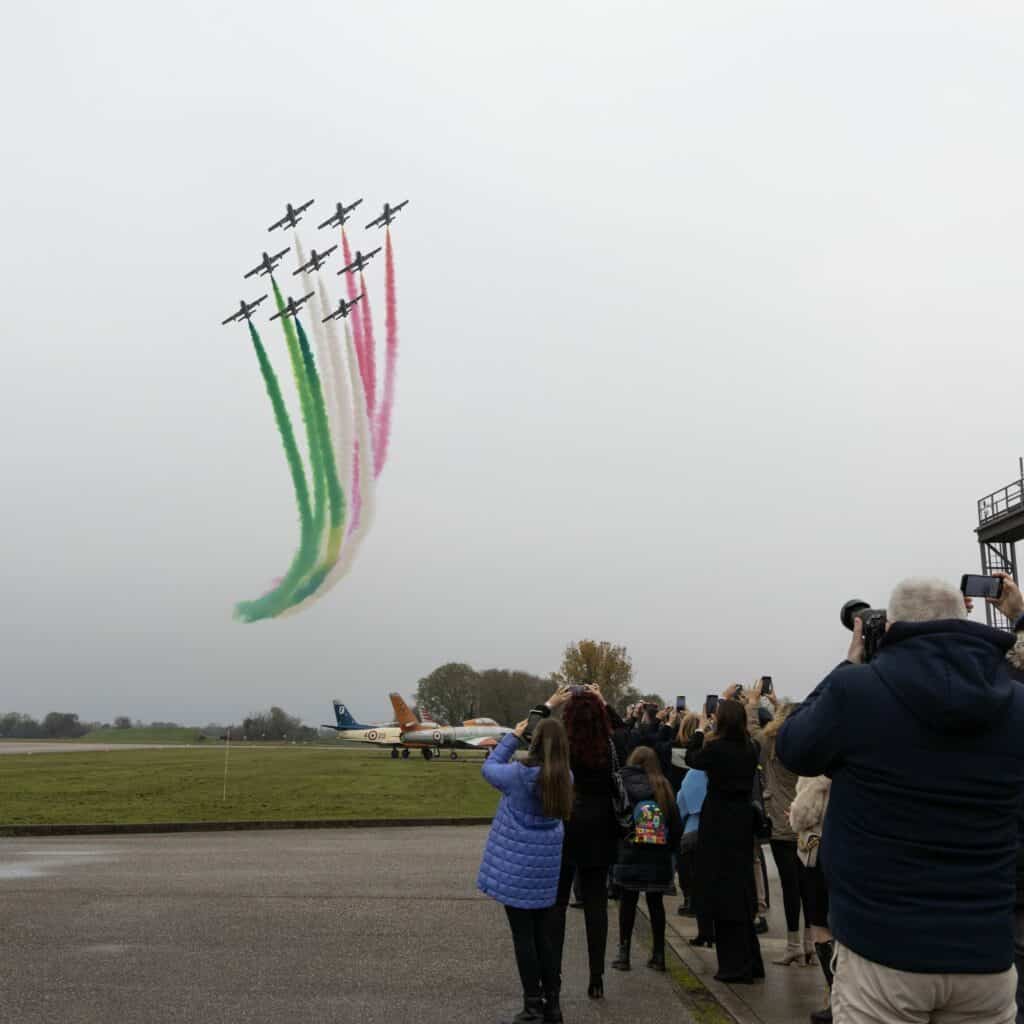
(279, 224)
(230, 318)
(376, 223)
(255, 270)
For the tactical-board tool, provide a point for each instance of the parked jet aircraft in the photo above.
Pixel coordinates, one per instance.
(360, 263)
(379, 735)
(316, 260)
(473, 734)
(292, 216)
(267, 264)
(292, 306)
(244, 310)
(343, 310)
(341, 215)
(387, 216)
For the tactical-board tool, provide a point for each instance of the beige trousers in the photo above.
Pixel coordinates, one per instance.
(868, 993)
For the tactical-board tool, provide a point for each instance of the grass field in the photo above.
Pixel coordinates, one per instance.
(146, 734)
(275, 783)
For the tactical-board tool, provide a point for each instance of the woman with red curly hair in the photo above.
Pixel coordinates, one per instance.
(591, 834)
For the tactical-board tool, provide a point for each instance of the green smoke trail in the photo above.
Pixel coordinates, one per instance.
(335, 495)
(277, 599)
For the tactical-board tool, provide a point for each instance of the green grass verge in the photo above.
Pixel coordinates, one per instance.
(264, 784)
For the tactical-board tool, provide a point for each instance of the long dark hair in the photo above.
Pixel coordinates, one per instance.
(589, 729)
(646, 758)
(731, 722)
(549, 751)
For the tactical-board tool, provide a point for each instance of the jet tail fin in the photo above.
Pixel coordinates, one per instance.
(344, 719)
(403, 714)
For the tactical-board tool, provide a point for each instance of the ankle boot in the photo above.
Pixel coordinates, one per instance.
(552, 1008)
(621, 962)
(794, 951)
(657, 961)
(825, 952)
(532, 1011)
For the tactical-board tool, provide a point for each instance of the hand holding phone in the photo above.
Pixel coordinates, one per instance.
(766, 685)
(711, 704)
(990, 587)
(680, 703)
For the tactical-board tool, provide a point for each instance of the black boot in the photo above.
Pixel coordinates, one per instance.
(825, 951)
(657, 961)
(621, 962)
(532, 1011)
(552, 1008)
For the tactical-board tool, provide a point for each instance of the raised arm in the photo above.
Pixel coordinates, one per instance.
(496, 769)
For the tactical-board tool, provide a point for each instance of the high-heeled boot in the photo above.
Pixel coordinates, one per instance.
(825, 952)
(621, 962)
(794, 951)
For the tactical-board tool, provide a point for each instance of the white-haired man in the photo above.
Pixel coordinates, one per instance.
(925, 748)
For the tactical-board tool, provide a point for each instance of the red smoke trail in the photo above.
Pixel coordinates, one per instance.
(357, 341)
(383, 424)
(370, 351)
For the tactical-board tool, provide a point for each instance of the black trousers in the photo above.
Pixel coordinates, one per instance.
(788, 863)
(627, 916)
(739, 953)
(538, 970)
(593, 890)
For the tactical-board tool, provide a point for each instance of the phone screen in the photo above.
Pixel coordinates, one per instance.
(680, 703)
(981, 586)
(766, 684)
(711, 704)
(534, 719)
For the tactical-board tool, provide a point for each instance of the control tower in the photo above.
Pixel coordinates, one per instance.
(1000, 526)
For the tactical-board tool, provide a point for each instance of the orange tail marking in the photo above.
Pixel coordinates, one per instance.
(403, 714)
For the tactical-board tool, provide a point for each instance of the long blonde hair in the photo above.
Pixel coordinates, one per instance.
(782, 712)
(688, 726)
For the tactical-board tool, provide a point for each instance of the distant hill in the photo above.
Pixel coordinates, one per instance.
(146, 734)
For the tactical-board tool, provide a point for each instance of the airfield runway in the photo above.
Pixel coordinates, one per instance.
(380, 926)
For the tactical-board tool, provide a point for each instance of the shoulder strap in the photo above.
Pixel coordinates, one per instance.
(615, 755)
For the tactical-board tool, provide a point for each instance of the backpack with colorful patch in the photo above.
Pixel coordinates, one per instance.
(649, 824)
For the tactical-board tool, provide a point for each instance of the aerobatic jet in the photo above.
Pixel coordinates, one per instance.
(292, 306)
(267, 264)
(360, 262)
(387, 216)
(341, 215)
(316, 260)
(244, 310)
(343, 310)
(291, 216)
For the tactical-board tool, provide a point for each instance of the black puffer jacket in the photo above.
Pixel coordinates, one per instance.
(641, 865)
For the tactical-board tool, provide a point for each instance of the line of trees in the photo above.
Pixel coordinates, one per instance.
(455, 691)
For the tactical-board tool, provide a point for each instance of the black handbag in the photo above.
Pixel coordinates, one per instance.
(762, 821)
(622, 809)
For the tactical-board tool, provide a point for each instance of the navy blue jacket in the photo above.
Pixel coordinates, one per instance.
(925, 749)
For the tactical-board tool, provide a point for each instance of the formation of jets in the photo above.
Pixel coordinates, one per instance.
(244, 310)
(269, 262)
(343, 310)
(316, 260)
(359, 264)
(292, 306)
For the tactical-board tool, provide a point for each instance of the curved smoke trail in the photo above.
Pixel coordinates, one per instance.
(369, 349)
(382, 435)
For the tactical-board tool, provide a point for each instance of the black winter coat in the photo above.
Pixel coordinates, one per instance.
(923, 746)
(644, 866)
(724, 869)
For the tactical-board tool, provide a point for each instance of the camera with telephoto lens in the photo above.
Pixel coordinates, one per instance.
(873, 622)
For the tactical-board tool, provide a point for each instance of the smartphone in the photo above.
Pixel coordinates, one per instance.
(981, 586)
(711, 704)
(766, 685)
(576, 691)
(680, 703)
(534, 719)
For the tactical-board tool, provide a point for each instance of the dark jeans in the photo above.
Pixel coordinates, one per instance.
(627, 916)
(538, 970)
(788, 863)
(739, 953)
(593, 888)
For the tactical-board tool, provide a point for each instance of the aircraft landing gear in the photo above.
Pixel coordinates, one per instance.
(427, 753)
(405, 754)
(394, 753)
(454, 756)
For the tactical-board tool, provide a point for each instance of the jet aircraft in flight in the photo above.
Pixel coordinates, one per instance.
(292, 306)
(360, 263)
(316, 260)
(343, 310)
(291, 216)
(244, 310)
(267, 264)
(340, 216)
(387, 216)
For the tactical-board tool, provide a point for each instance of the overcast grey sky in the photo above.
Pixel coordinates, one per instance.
(711, 319)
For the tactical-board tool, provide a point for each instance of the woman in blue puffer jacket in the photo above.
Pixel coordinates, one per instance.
(523, 856)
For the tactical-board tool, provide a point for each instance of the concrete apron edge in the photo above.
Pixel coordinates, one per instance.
(163, 827)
